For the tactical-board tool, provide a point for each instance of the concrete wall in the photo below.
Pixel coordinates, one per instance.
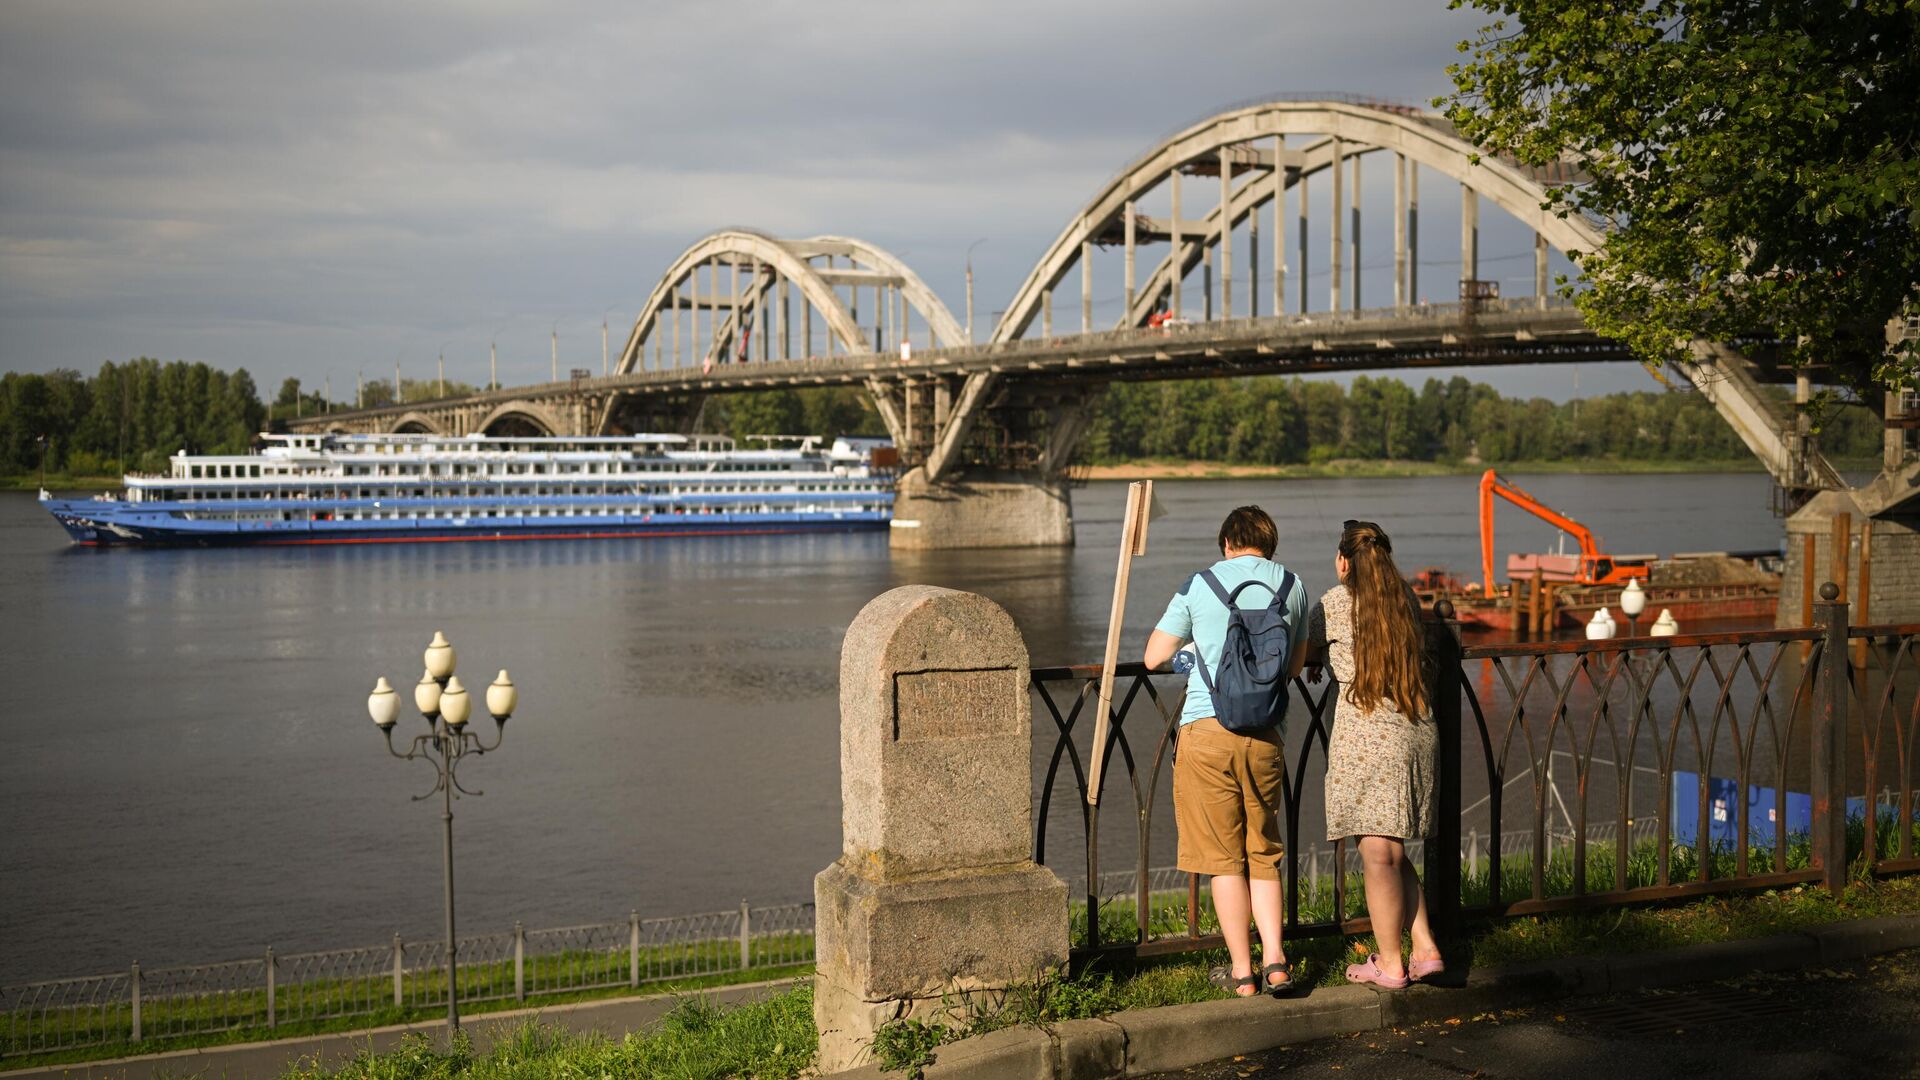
(981, 511)
(1894, 594)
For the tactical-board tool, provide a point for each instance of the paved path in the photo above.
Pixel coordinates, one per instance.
(1854, 1021)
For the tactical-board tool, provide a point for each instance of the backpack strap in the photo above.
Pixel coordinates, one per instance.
(1213, 583)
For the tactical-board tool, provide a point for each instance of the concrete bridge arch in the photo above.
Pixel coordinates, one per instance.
(522, 417)
(416, 423)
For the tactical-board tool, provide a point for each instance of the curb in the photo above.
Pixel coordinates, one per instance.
(271, 1058)
(1143, 1041)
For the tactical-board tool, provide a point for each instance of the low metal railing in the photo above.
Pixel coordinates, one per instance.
(393, 981)
(1586, 774)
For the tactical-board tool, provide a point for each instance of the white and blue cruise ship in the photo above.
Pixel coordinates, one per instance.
(341, 489)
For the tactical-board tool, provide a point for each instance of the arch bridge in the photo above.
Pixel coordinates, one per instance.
(1184, 231)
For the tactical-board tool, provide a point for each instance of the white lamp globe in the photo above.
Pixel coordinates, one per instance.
(426, 695)
(439, 656)
(383, 704)
(1598, 628)
(455, 706)
(1666, 625)
(1633, 599)
(502, 697)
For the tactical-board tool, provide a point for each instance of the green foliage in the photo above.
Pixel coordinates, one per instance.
(907, 1045)
(829, 411)
(131, 415)
(766, 1039)
(1752, 161)
(1280, 421)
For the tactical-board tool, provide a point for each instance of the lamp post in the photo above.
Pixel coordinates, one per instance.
(1633, 601)
(446, 706)
(970, 248)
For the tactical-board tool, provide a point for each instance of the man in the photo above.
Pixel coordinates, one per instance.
(1226, 784)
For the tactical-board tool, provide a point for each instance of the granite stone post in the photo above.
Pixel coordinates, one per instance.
(935, 898)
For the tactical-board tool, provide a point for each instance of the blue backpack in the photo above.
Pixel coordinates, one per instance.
(1249, 686)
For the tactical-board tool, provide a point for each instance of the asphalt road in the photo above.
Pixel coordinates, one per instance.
(1854, 1021)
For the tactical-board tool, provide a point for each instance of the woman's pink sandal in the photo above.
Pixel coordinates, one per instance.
(1421, 969)
(1370, 973)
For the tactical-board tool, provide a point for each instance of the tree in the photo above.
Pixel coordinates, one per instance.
(1753, 163)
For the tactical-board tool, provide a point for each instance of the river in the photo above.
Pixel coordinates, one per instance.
(188, 773)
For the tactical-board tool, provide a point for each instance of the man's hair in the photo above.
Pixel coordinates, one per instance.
(1250, 527)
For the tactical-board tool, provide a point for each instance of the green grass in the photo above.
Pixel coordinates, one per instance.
(60, 482)
(190, 1021)
(775, 1038)
(768, 1039)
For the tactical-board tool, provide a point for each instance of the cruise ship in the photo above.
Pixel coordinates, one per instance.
(342, 489)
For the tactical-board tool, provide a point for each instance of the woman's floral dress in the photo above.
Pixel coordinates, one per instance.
(1380, 765)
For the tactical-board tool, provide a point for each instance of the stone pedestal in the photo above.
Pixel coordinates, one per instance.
(1894, 590)
(935, 898)
(981, 510)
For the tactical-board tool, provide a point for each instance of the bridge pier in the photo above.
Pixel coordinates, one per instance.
(979, 508)
(1892, 576)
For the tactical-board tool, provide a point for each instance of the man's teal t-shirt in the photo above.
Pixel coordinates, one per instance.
(1195, 614)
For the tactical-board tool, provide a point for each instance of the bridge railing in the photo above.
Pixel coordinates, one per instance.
(1572, 775)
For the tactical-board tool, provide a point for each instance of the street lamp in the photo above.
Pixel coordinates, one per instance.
(970, 248)
(446, 706)
(1633, 601)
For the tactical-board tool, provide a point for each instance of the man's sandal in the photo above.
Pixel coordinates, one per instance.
(1224, 978)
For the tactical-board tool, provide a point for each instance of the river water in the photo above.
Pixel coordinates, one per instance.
(187, 771)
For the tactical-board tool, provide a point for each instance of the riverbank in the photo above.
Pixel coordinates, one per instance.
(59, 482)
(1370, 468)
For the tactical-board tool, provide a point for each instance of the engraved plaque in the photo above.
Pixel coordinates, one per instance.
(969, 704)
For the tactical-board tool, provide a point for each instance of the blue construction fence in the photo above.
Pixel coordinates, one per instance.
(1726, 810)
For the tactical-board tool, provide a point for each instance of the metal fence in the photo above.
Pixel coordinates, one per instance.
(1580, 774)
(393, 981)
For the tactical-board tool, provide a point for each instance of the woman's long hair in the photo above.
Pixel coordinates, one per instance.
(1389, 656)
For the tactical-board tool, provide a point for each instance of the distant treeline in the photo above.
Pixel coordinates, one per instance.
(137, 414)
(1284, 421)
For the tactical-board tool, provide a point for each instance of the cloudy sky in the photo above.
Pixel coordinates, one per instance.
(314, 190)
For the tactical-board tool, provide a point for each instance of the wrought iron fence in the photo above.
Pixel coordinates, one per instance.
(397, 980)
(1572, 775)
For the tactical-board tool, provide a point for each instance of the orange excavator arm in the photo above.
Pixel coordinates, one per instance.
(1492, 483)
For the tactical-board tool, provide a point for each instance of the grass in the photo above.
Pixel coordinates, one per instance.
(770, 1040)
(60, 482)
(1104, 988)
(184, 1021)
(775, 1038)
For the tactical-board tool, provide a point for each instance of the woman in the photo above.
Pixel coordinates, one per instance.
(1381, 759)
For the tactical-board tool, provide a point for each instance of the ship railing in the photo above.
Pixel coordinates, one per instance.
(1571, 776)
(139, 1010)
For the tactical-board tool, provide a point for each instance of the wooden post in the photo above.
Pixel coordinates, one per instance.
(746, 936)
(272, 1015)
(399, 970)
(133, 993)
(1533, 603)
(1133, 542)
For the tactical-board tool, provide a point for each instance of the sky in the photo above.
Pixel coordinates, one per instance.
(314, 190)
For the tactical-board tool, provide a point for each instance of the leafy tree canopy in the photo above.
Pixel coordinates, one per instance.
(1753, 163)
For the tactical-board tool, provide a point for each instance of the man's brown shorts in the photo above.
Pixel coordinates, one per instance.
(1226, 797)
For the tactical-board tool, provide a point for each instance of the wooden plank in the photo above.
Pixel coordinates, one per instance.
(1133, 543)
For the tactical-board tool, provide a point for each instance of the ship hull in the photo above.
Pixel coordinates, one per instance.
(88, 526)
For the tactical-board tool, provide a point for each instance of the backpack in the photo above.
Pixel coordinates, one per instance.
(1249, 686)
